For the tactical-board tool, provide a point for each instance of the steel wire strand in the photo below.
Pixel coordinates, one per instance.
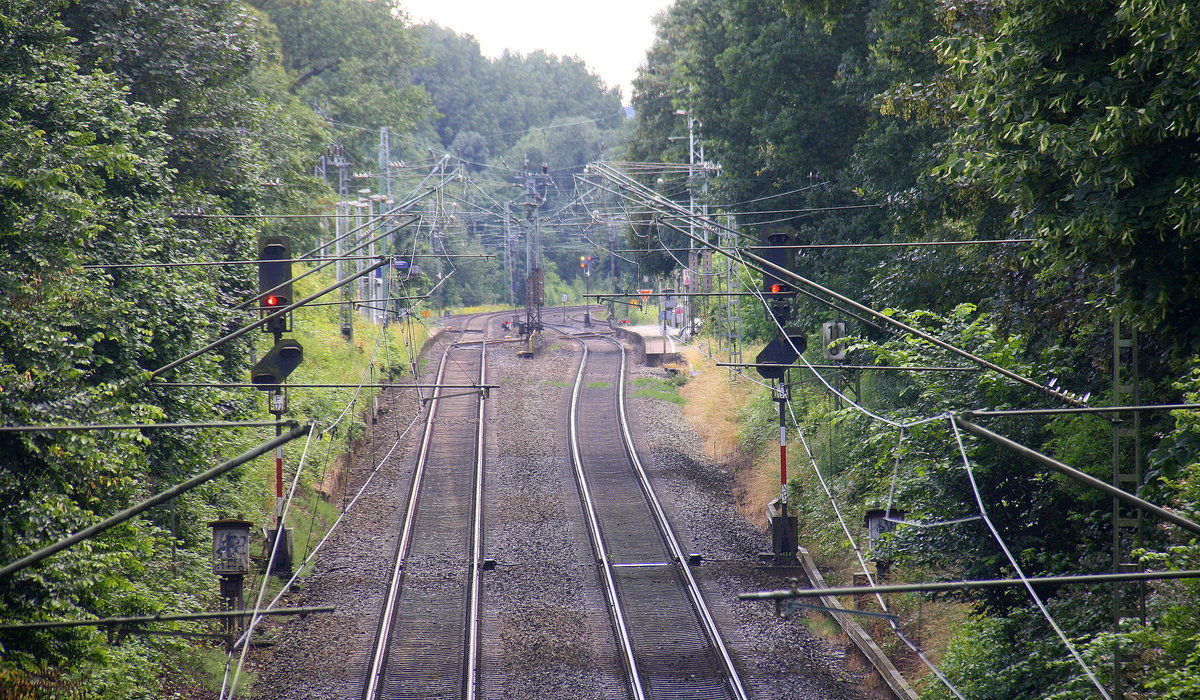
(1017, 567)
(762, 299)
(231, 683)
(243, 639)
(863, 564)
(865, 411)
(895, 628)
(651, 198)
(283, 516)
(363, 380)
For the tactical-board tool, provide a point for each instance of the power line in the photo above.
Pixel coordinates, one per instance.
(142, 426)
(178, 489)
(941, 586)
(106, 621)
(1012, 560)
(262, 321)
(1072, 473)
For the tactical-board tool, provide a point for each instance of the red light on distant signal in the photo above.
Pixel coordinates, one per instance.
(776, 288)
(272, 301)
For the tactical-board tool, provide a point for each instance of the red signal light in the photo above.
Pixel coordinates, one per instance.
(776, 288)
(272, 300)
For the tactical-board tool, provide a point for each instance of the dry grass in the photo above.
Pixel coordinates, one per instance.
(714, 402)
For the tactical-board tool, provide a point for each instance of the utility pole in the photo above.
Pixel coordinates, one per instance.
(536, 186)
(610, 224)
(341, 227)
(510, 248)
(733, 316)
(385, 202)
(783, 527)
(1127, 530)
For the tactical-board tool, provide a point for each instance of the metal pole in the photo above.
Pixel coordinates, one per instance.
(781, 398)
(140, 426)
(103, 621)
(1081, 477)
(149, 503)
(970, 585)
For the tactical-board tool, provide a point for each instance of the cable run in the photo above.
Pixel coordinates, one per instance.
(1017, 567)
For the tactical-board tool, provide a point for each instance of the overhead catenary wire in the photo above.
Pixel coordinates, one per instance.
(232, 674)
(1017, 566)
(973, 584)
(895, 627)
(862, 562)
(275, 548)
(264, 320)
(162, 497)
(327, 261)
(777, 270)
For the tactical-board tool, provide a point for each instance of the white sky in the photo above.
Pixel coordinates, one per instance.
(610, 36)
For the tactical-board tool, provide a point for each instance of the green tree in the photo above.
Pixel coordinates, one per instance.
(352, 62)
(1081, 118)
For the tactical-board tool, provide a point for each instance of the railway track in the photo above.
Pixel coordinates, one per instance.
(427, 644)
(669, 641)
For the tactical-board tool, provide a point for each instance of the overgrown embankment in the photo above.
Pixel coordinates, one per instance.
(738, 422)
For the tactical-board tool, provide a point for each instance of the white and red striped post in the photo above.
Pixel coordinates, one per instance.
(781, 396)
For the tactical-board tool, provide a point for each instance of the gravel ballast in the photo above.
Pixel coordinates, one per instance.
(545, 626)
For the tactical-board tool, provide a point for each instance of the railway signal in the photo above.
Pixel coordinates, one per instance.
(778, 293)
(585, 261)
(269, 372)
(783, 350)
(274, 279)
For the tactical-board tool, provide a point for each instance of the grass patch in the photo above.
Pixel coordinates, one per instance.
(662, 395)
(661, 388)
(598, 385)
(654, 383)
(208, 667)
(558, 384)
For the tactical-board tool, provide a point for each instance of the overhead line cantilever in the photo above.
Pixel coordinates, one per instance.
(649, 196)
(149, 503)
(1075, 474)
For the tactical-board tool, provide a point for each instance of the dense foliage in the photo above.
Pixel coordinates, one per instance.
(1072, 124)
(121, 123)
(99, 144)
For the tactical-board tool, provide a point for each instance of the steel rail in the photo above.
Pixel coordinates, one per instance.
(373, 687)
(606, 565)
(693, 587)
(383, 637)
(476, 585)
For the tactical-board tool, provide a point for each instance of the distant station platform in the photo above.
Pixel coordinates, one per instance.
(660, 348)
